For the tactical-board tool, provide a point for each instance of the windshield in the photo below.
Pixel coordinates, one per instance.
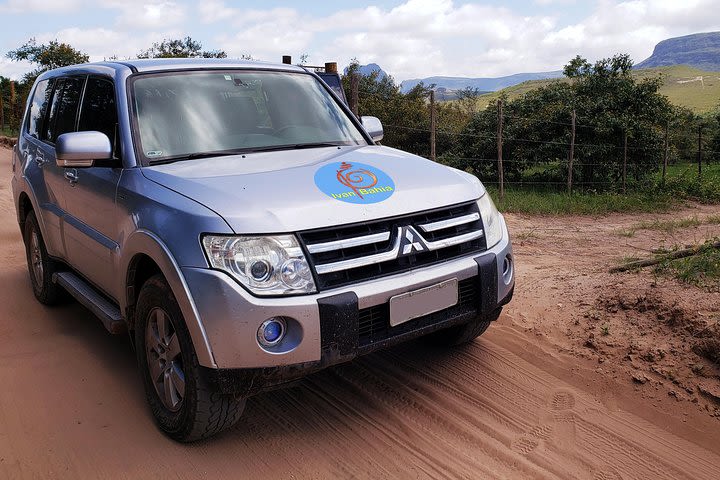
(187, 114)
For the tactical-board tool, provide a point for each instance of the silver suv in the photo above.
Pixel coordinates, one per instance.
(245, 228)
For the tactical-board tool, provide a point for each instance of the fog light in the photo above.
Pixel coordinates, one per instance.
(271, 332)
(507, 269)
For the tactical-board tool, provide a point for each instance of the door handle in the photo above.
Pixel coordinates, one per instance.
(71, 176)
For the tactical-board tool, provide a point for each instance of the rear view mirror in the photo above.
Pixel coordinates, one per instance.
(81, 149)
(373, 127)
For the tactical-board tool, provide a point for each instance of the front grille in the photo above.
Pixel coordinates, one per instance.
(374, 322)
(353, 253)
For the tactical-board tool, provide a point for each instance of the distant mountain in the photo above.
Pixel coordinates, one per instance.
(482, 84)
(700, 50)
(369, 69)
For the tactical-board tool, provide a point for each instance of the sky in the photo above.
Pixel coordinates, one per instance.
(407, 38)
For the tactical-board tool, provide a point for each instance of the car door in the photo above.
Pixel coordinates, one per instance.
(39, 168)
(91, 226)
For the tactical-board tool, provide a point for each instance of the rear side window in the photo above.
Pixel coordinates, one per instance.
(63, 112)
(98, 111)
(39, 107)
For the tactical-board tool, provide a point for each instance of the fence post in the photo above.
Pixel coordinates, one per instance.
(501, 180)
(354, 93)
(13, 114)
(624, 171)
(699, 156)
(2, 112)
(572, 153)
(432, 125)
(667, 148)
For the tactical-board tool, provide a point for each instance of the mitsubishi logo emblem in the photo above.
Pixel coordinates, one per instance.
(411, 241)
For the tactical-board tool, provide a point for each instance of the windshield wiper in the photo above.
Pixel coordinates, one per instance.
(196, 155)
(294, 146)
(240, 151)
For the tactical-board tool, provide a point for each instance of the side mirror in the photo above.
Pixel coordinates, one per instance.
(81, 149)
(373, 127)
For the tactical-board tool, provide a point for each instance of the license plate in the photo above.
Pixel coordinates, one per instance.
(406, 306)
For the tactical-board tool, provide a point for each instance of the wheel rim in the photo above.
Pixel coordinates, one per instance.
(36, 258)
(164, 359)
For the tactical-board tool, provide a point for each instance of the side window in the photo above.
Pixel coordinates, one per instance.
(99, 111)
(64, 108)
(39, 107)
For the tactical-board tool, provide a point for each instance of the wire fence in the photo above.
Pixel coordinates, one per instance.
(567, 158)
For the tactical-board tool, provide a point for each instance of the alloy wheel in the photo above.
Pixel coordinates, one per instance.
(36, 258)
(164, 359)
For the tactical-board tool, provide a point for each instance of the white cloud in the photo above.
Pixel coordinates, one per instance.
(40, 6)
(416, 38)
(151, 15)
(214, 11)
(14, 70)
(102, 43)
(267, 34)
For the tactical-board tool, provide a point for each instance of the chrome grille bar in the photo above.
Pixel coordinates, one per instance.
(452, 222)
(449, 242)
(362, 261)
(348, 243)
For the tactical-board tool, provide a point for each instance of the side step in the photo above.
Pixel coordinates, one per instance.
(108, 313)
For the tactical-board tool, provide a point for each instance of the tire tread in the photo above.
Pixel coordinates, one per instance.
(211, 412)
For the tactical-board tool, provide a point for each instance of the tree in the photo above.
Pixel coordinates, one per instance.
(180, 48)
(47, 57)
(468, 99)
(405, 116)
(609, 104)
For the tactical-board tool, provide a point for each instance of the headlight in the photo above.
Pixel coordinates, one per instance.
(272, 265)
(491, 219)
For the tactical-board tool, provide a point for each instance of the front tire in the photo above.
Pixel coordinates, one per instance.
(183, 405)
(40, 265)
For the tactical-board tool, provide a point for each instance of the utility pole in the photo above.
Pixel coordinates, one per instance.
(572, 153)
(501, 180)
(432, 125)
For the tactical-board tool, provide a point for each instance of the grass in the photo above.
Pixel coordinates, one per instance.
(702, 269)
(681, 184)
(6, 132)
(682, 180)
(670, 226)
(680, 85)
(555, 203)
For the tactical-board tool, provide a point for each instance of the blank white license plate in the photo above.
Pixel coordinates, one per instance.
(421, 302)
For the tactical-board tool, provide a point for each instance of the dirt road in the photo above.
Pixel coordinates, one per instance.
(511, 405)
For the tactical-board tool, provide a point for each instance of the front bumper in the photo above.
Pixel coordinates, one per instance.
(330, 322)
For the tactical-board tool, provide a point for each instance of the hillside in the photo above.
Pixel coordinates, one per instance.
(700, 50)
(685, 86)
(369, 69)
(483, 84)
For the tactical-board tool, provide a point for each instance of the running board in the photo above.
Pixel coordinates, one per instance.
(108, 313)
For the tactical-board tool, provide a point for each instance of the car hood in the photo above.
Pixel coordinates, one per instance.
(293, 190)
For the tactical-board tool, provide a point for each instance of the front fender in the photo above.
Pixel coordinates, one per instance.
(147, 243)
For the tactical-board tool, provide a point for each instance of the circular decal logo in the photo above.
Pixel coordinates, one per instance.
(354, 182)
